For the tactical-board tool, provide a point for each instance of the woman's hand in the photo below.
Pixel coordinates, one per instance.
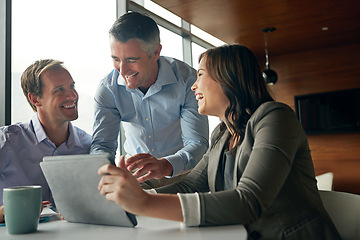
(120, 186)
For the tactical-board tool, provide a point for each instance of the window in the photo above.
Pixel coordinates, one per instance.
(171, 44)
(196, 51)
(206, 36)
(75, 32)
(160, 11)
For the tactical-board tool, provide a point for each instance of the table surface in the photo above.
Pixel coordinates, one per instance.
(147, 228)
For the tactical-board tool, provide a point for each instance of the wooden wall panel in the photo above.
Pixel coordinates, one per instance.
(324, 70)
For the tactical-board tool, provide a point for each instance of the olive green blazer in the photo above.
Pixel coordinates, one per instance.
(275, 195)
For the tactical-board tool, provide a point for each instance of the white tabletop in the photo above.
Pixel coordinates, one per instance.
(147, 229)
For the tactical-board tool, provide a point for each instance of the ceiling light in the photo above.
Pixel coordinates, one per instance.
(269, 75)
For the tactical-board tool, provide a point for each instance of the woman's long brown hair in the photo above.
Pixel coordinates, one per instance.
(237, 70)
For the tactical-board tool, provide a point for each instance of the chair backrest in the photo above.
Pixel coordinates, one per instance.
(325, 181)
(344, 210)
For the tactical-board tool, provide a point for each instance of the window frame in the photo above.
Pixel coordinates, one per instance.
(183, 31)
(5, 62)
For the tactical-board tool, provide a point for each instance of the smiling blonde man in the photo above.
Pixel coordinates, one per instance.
(50, 91)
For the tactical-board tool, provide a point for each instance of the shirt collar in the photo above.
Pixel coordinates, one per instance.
(166, 74)
(38, 128)
(73, 139)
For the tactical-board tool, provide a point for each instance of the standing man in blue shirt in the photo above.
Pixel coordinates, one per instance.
(151, 96)
(50, 91)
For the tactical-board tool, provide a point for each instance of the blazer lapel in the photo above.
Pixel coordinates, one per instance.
(214, 159)
(237, 173)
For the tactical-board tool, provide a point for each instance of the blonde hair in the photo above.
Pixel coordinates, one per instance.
(31, 77)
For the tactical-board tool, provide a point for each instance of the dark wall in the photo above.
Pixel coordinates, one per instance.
(324, 70)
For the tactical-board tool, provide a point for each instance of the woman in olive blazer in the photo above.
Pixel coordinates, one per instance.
(257, 172)
(273, 192)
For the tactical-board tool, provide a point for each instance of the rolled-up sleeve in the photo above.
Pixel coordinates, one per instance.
(190, 207)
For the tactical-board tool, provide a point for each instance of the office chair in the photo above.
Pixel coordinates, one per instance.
(344, 210)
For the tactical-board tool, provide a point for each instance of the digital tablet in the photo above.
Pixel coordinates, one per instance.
(73, 181)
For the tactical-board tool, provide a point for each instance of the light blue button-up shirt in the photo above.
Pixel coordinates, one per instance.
(164, 122)
(22, 147)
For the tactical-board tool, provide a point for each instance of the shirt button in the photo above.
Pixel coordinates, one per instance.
(147, 119)
(149, 136)
(152, 150)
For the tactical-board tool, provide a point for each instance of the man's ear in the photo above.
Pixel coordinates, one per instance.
(34, 99)
(157, 51)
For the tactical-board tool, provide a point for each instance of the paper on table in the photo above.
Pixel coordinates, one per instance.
(47, 212)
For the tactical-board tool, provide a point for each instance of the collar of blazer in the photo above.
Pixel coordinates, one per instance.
(214, 158)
